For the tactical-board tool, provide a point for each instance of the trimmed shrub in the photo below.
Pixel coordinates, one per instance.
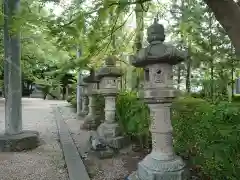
(132, 114)
(210, 134)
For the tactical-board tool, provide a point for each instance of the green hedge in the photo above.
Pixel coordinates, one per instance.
(132, 114)
(72, 99)
(209, 134)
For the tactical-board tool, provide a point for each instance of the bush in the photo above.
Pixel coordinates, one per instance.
(132, 114)
(236, 98)
(72, 99)
(69, 99)
(100, 105)
(210, 134)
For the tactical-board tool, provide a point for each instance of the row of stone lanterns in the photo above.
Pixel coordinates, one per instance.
(92, 119)
(157, 60)
(105, 83)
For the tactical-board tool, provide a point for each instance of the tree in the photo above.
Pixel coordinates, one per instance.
(227, 12)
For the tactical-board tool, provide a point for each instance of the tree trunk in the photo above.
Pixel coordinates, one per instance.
(188, 76)
(232, 71)
(139, 34)
(227, 12)
(140, 26)
(178, 76)
(212, 55)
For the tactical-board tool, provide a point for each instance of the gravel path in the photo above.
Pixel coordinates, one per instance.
(44, 163)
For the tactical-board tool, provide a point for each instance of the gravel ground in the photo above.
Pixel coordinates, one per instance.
(44, 163)
(116, 168)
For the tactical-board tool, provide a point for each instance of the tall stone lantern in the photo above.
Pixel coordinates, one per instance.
(91, 121)
(157, 60)
(84, 97)
(109, 130)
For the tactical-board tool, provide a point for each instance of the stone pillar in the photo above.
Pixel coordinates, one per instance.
(84, 99)
(12, 72)
(14, 138)
(92, 120)
(84, 111)
(79, 94)
(109, 131)
(157, 60)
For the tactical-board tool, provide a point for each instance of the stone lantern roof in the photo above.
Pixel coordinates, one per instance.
(110, 69)
(91, 78)
(157, 51)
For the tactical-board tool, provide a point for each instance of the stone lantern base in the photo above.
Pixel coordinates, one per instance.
(25, 140)
(152, 168)
(107, 140)
(91, 122)
(82, 114)
(110, 134)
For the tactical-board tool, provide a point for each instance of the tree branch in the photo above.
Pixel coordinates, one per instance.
(129, 3)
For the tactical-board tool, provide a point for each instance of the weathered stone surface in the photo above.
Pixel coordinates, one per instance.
(97, 143)
(153, 168)
(109, 130)
(133, 176)
(82, 114)
(158, 52)
(82, 97)
(177, 175)
(25, 140)
(84, 109)
(91, 78)
(157, 60)
(110, 69)
(91, 122)
(117, 142)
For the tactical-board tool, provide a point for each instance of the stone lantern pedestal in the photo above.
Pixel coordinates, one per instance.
(92, 120)
(84, 106)
(157, 60)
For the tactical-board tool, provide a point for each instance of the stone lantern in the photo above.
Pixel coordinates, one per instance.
(91, 121)
(84, 108)
(157, 60)
(109, 131)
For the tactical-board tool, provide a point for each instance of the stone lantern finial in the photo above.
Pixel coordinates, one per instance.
(110, 69)
(110, 61)
(157, 51)
(155, 32)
